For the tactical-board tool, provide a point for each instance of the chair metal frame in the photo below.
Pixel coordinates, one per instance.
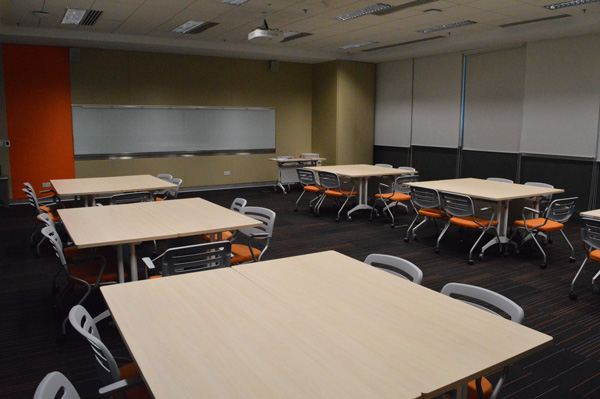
(332, 186)
(426, 201)
(461, 207)
(494, 299)
(193, 258)
(398, 187)
(308, 180)
(559, 211)
(590, 235)
(397, 266)
(262, 232)
(131, 198)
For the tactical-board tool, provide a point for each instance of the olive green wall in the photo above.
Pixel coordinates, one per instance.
(135, 78)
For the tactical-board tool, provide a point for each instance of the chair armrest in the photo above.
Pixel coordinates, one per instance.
(121, 385)
(102, 316)
(149, 263)
(526, 208)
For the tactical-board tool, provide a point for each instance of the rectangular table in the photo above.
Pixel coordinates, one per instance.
(146, 221)
(500, 193)
(89, 187)
(319, 325)
(362, 172)
(286, 168)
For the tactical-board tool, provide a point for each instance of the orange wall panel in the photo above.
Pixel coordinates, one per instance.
(38, 114)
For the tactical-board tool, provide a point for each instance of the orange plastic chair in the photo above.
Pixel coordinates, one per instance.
(427, 203)
(308, 181)
(333, 189)
(399, 194)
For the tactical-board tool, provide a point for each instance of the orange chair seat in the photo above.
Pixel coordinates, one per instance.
(312, 189)
(595, 255)
(467, 222)
(486, 387)
(338, 193)
(226, 235)
(139, 391)
(395, 197)
(55, 218)
(241, 253)
(431, 213)
(89, 272)
(549, 226)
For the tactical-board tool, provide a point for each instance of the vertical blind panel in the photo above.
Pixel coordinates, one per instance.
(393, 105)
(437, 100)
(494, 89)
(143, 129)
(562, 97)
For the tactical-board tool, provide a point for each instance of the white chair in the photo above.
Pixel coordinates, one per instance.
(55, 386)
(193, 258)
(165, 177)
(500, 179)
(170, 193)
(48, 207)
(545, 199)
(410, 168)
(490, 298)
(248, 253)
(590, 235)
(236, 206)
(308, 181)
(397, 266)
(384, 165)
(333, 189)
(111, 375)
(426, 201)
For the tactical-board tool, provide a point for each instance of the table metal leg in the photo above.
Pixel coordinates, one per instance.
(363, 190)
(120, 266)
(133, 263)
(502, 212)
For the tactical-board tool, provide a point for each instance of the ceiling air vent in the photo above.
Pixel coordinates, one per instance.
(202, 28)
(90, 18)
(403, 43)
(530, 21)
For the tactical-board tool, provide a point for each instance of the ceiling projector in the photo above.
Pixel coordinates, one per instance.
(264, 34)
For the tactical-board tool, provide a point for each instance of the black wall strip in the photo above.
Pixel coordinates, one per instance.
(435, 163)
(483, 164)
(395, 156)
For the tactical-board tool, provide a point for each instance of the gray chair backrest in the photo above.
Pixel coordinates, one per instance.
(55, 386)
(424, 197)
(84, 324)
(194, 258)
(500, 179)
(561, 210)
(306, 177)
(238, 204)
(400, 183)
(539, 184)
(407, 168)
(51, 234)
(173, 192)
(485, 296)
(266, 216)
(590, 232)
(31, 196)
(384, 165)
(130, 198)
(328, 180)
(397, 266)
(165, 177)
(457, 204)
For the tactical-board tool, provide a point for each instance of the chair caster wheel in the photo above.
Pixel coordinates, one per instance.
(596, 289)
(572, 259)
(436, 250)
(480, 257)
(296, 210)
(470, 261)
(572, 295)
(370, 219)
(349, 218)
(393, 226)
(337, 220)
(543, 266)
(415, 237)
(406, 239)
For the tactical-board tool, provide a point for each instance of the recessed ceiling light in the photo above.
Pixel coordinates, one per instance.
(564, 4)
(356, 45)
(362, 12)
(446, 26)
(40, 14)
(234, 2)
(188, 26)
(414, 3)
(73, 16)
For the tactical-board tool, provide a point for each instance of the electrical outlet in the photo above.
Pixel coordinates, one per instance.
(46, 185)
(7, 143)
(227, 173)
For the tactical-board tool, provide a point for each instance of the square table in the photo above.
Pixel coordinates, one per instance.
(145, 221)
(362, 172)
(89, 187)
(500, 193)
(318, 325)
(594, 214)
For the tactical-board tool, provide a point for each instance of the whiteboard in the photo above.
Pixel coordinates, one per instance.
(99, 130)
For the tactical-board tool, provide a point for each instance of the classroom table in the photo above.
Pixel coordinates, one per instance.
(362, 172)
(594, 214)
(318, 325)
(286, 168)
(499, 193)
(145, 221)
(90, 187)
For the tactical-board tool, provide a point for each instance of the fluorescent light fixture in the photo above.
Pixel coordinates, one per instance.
(287, 36)
(234, 2)
(362, 12)
(404, 6)
(356, 45)
(73, 16)
(572, 3)
(188, 26)
(447, 26)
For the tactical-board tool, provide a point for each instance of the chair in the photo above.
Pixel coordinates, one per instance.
(308, 181)
(384, 165)
(130, 198)
(400, 193)
(410, 168)
(333, 189)
(398, 266)
(590, 235)
(556, 215)
(111, 375)
(427, 203)
(500, 179)
(193, 258)
(462, 212)
(246, 253)
(48, 207)
(168, 194)
(165, 177)
(482, 387)
(236, 206)
(55, 386)
(90, 271)
(545, 199)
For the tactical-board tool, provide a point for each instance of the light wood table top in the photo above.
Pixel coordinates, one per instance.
(109, 185)
(594, 214)
(487, 189)
(318, 325)
(361, 170)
